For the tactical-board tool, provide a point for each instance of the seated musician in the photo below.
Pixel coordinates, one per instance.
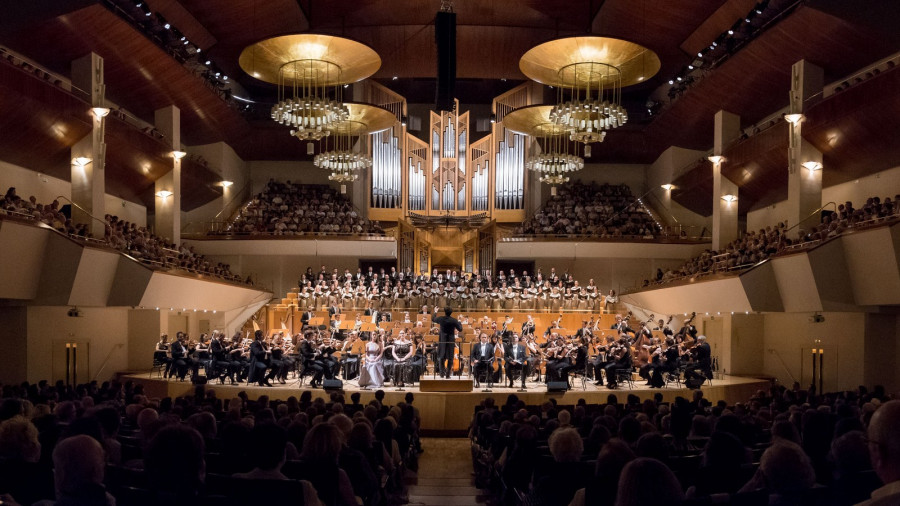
(275, 355)
(311, 358)
(220, 363)
(662, 327)
(557, 358)
(482, 358)
(602, 359)
(575, 358)
(700, 368)
(161, 353)
(664, 361)
(283, 351)
(621, 325)
(528, 326)
(516, 360)
(621, 360)
(349, 361)
(258, 360)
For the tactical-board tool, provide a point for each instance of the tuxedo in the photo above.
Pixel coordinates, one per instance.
(700, 369)
(258, 363)
(482, 354)
(516, 360)
(306, 317)
(622, 327)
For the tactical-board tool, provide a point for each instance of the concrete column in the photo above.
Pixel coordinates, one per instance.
(168, 188)
(89, 154)
(804, 160)
(725, 192)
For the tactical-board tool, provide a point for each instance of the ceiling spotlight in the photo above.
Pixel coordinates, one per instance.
(671, 81)
(678, 78)
(747, 20)
(207, 62)
(218, 74)
(729, 198)
(394, 78)
(186, 42)
(714, 44)
(730, 32)
(224, 78)
(700, 55)
(167, 26)
(690, 67)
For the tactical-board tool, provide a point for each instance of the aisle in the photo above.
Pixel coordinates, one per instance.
(445, 474)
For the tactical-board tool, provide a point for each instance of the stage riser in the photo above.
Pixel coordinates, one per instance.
(451, 412)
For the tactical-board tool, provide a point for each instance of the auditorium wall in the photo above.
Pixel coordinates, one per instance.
(45, 189)
(882, 184)
(222, 159)
(49, 328)
(13, 343)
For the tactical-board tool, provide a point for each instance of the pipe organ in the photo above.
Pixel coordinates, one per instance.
(386, 171)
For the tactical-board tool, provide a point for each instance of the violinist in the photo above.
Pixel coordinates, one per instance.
(602, 359)
(557, 357)
(311, 361)
(181, 360)
(701, 368)
(161, 353)
(665, 360)
(258, 360)
(516, 360)
(349, 361)
(621, 359)
(575, 358)
(652, 353)
(284, 348)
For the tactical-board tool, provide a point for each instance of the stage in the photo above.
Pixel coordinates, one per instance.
(449, 412)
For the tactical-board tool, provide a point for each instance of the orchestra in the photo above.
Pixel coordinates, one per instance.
(404, 350)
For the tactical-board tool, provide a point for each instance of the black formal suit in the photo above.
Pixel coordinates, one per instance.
(624, 362)
(700, 369)
(333, 310)
(516, 360)
(482, 354)
(306, 317)
(446, 342)
(311, 362)
(258, 364)
(622, 327)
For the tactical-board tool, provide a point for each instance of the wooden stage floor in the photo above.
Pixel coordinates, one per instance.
(451, 412)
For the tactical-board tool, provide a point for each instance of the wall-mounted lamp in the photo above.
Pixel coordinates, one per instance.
(794, 118)
(178, 154)
(81, 161)
(729, 198)
(812, 165)
(226, 184)
(99, 112)
(164, 194)
(716, 159)
(667, 186)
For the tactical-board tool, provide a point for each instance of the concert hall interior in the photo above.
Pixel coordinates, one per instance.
(648, 197)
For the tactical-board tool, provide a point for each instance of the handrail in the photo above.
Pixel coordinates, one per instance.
(236, 196)
(809, 216)
(105, 224)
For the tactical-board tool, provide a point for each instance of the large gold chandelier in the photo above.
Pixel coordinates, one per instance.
(589, 74)
(554, 157)
(309, 72)
(342, 153)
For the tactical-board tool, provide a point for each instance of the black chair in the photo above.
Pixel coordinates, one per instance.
(625, 375)
(251, 491)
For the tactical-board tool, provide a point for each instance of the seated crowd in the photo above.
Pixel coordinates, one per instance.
(590, 209)
(298, 209)
(754, 247)
(111, 443)
(142, 244)
(122, 235)
(781, 447)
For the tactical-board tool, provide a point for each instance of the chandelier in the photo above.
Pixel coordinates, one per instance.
(309, 72)
(554, 158)
(343, 159)
(589, 74)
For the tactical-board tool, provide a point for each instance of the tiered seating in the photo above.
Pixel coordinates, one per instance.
(299, 209)
(607, 211)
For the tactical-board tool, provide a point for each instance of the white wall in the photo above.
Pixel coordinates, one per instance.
(223, 160)
(883, 184)
(105, 328)
(46, 189)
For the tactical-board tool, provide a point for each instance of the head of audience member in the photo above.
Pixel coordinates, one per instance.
(785, 469)
(267, 451)
(19, 440)
(850, 454)
(79, 463)
(884, 441)
(566, 445)
(633, 486)
(174, 462)
(322, 443)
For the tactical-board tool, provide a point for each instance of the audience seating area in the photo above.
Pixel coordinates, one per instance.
(300, 209)
(754, 247)
(579, 209)
(200, 449)
(782, 446)
(121, 235)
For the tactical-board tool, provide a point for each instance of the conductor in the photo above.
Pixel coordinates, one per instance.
(447, 339)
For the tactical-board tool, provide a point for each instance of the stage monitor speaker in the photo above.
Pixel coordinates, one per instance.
(332, 384)
(557, 386)
(445, 38)
(198, 379)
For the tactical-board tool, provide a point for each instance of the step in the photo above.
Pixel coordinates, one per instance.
(437, 490)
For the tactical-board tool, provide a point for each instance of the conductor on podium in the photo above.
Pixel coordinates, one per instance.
(446, 340)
